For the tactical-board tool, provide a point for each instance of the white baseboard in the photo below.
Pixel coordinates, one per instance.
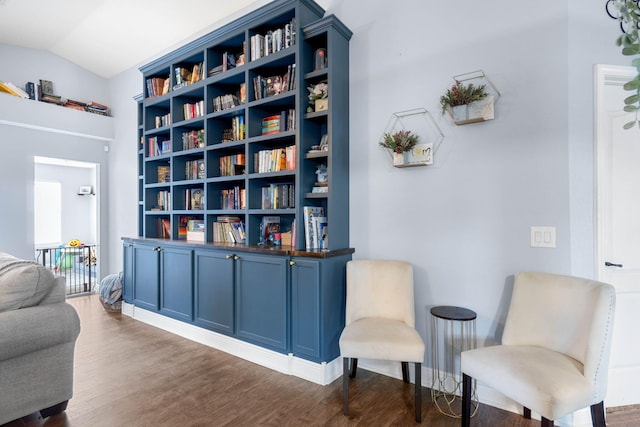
(319, 373)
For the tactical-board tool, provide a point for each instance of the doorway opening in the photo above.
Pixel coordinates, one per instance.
(66, 222)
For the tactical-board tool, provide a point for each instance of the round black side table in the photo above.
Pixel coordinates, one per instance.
(453, 330)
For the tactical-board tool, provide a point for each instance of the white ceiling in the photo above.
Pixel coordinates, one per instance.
(110, 36)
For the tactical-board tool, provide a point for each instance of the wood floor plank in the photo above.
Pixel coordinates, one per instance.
(131, 374)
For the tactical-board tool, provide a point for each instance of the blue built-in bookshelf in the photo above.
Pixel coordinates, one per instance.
(230, 143)
(243, 90)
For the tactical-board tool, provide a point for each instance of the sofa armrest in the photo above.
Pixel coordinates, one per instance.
(34, 328)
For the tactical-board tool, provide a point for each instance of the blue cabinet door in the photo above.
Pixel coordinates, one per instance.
(305, 308)
(261, 301)
(146, 274)
(318, 295)
(127, 279)
(214, 291)
(176, 285)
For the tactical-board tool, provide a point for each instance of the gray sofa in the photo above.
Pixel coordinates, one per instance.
(38, 332)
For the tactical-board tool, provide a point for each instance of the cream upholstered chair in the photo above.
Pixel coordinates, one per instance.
(555, 347)
(380, 321)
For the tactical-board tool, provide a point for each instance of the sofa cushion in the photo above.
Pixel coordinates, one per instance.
(22, 283)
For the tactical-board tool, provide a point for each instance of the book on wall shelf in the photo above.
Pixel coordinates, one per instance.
(228, 229)
(14, 90)
(269, 225)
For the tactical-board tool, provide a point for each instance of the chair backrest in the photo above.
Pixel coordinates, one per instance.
(570, 315)
(380, 288)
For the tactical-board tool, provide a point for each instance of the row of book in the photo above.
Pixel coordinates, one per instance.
(278, 159)
(157, 86)
(273, 40)
(316, 234)
(229, 229)
(158, 146)
(277, 123)
(194, 169)
(194, 110)
(194, 199)
(232, 165)
(186, 75)
(193, 139)
(224, 102)
(163, 201)
(264, 87)
(163, 120)
(233, 198)
(229, 61)
(237, 131)
(193, 231)
(279, 196)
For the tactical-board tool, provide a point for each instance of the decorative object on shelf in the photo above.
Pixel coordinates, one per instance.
(470, 102)
(318, 97)
(402, 145)
(320, 59)
(321, 173)
(627, 12)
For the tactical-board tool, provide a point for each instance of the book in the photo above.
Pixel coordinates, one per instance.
(12, 89)
(311, 237)
(46, 87)
(197, 199)
(164, 173)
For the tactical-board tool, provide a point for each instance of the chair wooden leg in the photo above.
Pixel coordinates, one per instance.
(345, 385)
(466, 400)
(405, 372)
(526, 412)
(354, 367)
(418, 397)
(597, 415)
(546, 423)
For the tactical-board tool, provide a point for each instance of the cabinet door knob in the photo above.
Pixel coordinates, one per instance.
(292, 263)
(236, 257)
(229, 256)
(157, 248)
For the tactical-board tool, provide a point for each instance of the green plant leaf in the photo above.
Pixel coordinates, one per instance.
(631, 108)
(632, 85)
(632, 99)
(629, 125)
(630, 50)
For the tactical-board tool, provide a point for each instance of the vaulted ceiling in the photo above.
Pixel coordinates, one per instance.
(110, 36)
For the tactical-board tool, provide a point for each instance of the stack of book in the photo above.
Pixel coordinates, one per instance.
(194, 110)
(159, 146)
(316, 230)
(277, 123)
(273, 40)
(96, 108)
(224, 102)
(194, 169)
(232, 165)
(193, 139)
(229, 229)
(264, 87)
(188, 74)
(237, 131)
(233, 198)
(275, 160)
(157, 86)
(279, 196)
(163, 201)
(164, 120)
(195, 230)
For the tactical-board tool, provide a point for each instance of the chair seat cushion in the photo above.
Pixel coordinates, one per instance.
(384, 339)
(547, 382)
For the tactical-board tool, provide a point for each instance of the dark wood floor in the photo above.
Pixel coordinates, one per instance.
(131, 374)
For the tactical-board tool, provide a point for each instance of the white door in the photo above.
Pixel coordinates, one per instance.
(618, 228)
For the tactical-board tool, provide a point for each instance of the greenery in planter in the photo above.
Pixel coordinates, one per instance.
(400, 141)
(628, 13)
(460, 94)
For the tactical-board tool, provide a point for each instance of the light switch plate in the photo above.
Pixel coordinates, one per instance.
(543, 237)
